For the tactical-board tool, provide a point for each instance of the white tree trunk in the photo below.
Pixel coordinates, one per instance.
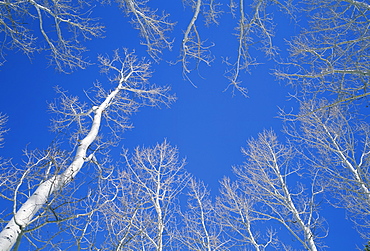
(24, 216)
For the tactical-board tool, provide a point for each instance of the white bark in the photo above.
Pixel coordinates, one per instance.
(158, 209)
(265, 176)
(158, 176)
(337, 149)
(23, 217)
(236, 209)
(201, 228)
(293, 209)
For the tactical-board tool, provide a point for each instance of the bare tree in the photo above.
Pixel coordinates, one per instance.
(254, 26)
(131, 92)
(193, 47)
(265, 176)
(146, 190)
(330, 59)
(338, 141)
(235, 210)
(329, 67)
(118, 218)
(70, 21)
(255, 30)
(153, 27)
(201, 226)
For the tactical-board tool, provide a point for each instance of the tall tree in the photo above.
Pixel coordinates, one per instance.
(239, 220)
(146, 190)
(131, 92)
(338, 142)
(329, 67)
(201, 226)
(265, 176)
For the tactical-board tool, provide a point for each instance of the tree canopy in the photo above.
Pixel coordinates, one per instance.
(187, 125)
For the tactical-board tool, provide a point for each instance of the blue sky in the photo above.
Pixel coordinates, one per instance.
(208, 124)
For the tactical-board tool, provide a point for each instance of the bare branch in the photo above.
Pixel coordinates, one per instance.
(265, 175)
(146, 191)
(65, 49)
(339, 147)
(331, 58)
(192, 47)
(202, 229)
(130, 77)
(257, 27)
(152, 27)
(235, 208)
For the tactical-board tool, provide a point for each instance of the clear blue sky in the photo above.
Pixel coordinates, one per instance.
(208, 125)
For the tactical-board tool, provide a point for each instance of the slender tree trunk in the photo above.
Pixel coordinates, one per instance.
(158, 208)
(292, 207)
(11, 233)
